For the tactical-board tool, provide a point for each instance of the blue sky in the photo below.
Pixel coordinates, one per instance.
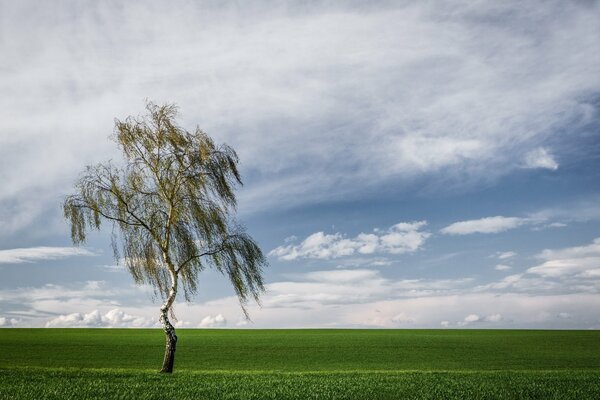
(426, 164)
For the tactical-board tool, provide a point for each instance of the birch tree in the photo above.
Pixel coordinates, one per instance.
(171, 205)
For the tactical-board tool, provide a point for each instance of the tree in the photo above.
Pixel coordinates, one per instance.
(171, 205)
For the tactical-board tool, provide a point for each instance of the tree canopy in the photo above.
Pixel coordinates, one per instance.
(171, 204)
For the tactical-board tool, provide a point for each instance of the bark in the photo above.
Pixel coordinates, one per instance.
(171, 341)
(171, 337)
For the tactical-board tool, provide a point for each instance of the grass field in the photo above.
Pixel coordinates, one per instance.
(297, 364)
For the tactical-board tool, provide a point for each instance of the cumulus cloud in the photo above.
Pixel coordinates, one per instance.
(540, 158)
(484, 225)
(404, 237)
(475, 318)
(8, 322)
(31, 254)
(209, 321)
(112, 319)
(472, 318)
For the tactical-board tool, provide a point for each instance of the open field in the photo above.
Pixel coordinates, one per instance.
(344, 364)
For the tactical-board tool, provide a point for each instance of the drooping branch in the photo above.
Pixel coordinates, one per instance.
(171, 205)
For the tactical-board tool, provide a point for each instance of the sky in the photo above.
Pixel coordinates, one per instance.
(418, 164)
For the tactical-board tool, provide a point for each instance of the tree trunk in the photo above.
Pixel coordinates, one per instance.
(171, 338)
(171, 342)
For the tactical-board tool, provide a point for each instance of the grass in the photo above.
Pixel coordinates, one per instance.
(298, 364)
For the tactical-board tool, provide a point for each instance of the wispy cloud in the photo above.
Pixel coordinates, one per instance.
(568, 270)
(404, 237)
(31, 254)
(484, 225)
(411, 90)
(576, 262)
(503, 255)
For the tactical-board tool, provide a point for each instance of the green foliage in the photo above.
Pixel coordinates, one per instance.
(171, 203)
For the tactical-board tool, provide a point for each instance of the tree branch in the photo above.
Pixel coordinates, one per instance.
(106, 215)
(206, 253)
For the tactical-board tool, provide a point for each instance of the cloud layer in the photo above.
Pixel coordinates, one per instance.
(372, 93)
(561, 291)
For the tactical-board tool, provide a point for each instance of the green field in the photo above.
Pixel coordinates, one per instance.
(297, 364)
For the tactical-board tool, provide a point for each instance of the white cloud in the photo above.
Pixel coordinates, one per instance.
(351, 286)
(574, 211)
(94, 285)
(472, 318)
(342, 276)
(505, 254)
(590, 250)
(402, 318)
(556, 225)
(484, 225)
(112, 319)
(494, 318)
(213, 322)
(498, 309)
(578, 261)
(568, 270)
(526, 283)
(182, 324)
(404, 237)
(540, 158)
(31, 254)
(359, 301)
(8, 322)
(290, 239)
(502, 267)
(445, 324)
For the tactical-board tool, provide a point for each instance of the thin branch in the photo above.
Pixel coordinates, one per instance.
(206, 253)
(106, 215)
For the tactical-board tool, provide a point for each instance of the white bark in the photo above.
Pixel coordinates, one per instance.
(171, 337)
